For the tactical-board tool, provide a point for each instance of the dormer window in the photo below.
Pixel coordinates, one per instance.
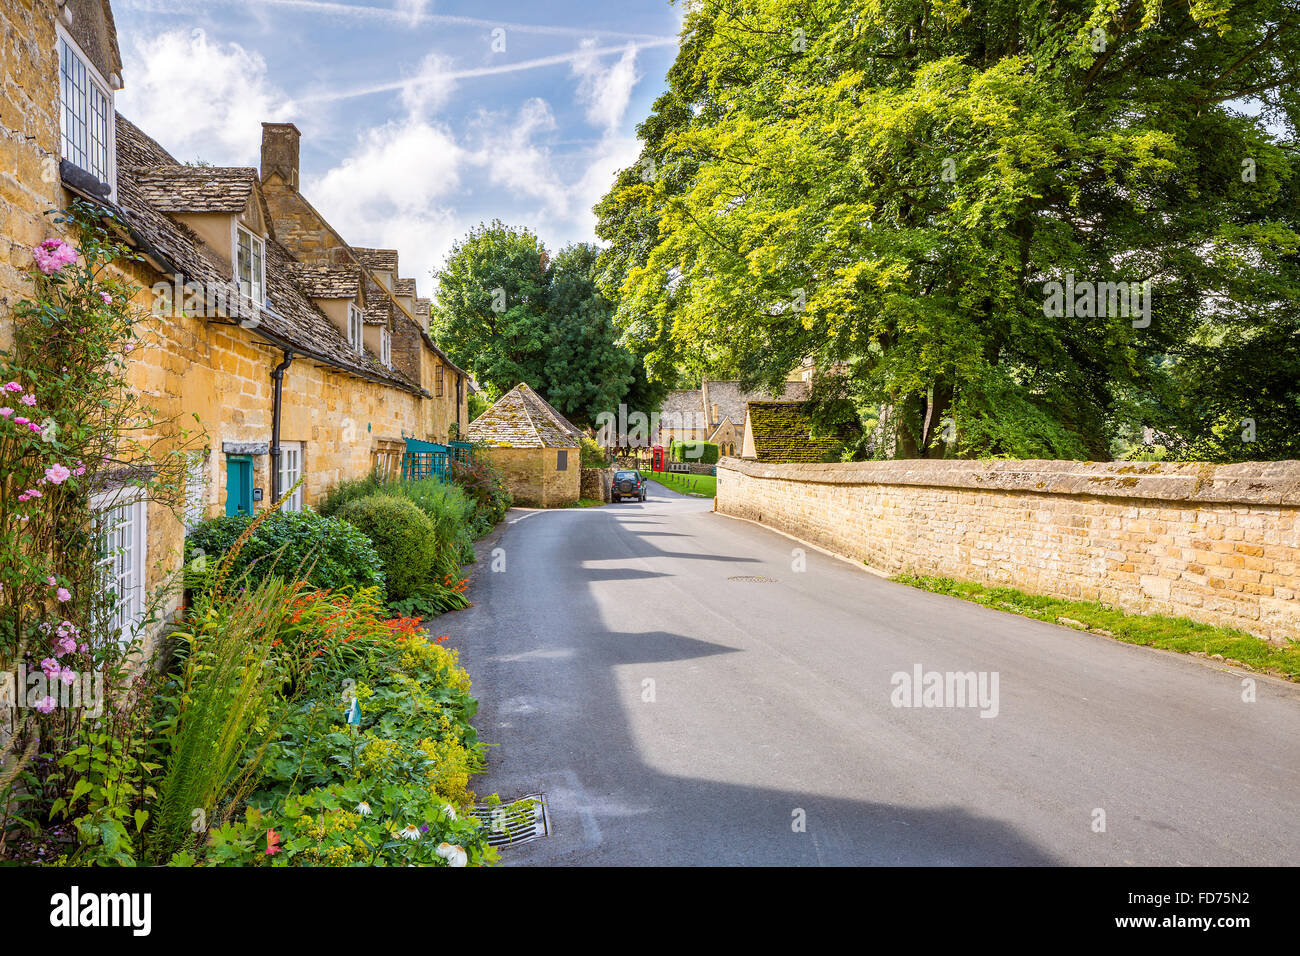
(386, 347)
(250, 265)
(356, 327)
(86, 116)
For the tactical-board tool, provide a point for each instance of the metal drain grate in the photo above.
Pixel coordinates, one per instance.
(510, 824)
(753, 579)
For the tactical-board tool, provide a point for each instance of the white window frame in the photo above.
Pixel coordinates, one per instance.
(196, 489)
(257, 247)
(356, 327)
(290, 471)
(96, 81)
(127, 509)
(386, 347)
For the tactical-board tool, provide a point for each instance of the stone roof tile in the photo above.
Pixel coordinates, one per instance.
(523, 419)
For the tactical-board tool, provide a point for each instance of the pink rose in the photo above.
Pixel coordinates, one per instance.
(51, 667)
(34, 493)
(57, 474)
(63, 594)
(108, 299)
(51, 581)
(6, 412)
(68, 645)
(21, 421)
(46, 704)
(29, 399)
(69, 676)
(52, 255)
(13, 387)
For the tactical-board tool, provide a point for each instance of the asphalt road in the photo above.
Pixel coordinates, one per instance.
(770, 704)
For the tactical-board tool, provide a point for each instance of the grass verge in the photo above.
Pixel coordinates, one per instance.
(585, 503)
(703, 486)
(1149, 630)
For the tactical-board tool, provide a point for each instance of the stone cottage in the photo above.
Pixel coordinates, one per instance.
(536, 448)
(258, 312)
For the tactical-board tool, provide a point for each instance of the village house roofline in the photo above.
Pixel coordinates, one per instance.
(292, 322)
(326, 282)
(523, 419)
(197, 189)
(353, 253)
(377, 260)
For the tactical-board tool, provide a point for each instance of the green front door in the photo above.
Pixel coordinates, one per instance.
(239, 486)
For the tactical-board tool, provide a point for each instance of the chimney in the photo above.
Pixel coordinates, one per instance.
(280, 152)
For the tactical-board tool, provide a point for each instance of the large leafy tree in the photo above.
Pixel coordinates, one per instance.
(587, 371)
(889, 188)
(510, 313)
(490, 313)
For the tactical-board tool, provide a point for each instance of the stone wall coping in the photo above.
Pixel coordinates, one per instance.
(1271, 483)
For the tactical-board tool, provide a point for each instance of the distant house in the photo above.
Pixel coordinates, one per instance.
(782, 432)
(715, 412)
(536, 448)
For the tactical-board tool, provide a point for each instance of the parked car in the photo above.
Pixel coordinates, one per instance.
(628, 484)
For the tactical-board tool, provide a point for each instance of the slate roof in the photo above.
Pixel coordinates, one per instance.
(175, 188)
(783, 433)
(731, 399)
(683, 402)
(293, 320)
(325, 282)
(381, 260)
(523, 419)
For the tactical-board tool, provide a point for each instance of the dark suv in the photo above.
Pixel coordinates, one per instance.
(627, 484)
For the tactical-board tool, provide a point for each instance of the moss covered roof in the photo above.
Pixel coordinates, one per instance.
(523, 419)
(783, 432)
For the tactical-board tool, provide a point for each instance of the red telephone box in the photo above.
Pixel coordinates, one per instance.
(657, 458)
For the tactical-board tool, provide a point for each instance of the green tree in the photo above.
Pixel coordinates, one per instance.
(490, 315)
(891, 189)
(587, 371)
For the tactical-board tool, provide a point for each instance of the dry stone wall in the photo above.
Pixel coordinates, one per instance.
(1216, 543)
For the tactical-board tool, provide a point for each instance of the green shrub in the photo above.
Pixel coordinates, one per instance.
(593, 456)
(486, 487)
(351, 490)
(322, 550)
(704, 452)
(402, 535)
(452, 512)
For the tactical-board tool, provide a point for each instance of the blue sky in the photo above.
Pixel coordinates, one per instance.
(416, 124)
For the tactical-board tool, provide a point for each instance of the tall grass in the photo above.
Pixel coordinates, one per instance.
(227, 707)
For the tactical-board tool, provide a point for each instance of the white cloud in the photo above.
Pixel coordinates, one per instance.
(431, 87)
(605, 90)
(513, 160)
(413, 10)
(390, 193)
(201, 99)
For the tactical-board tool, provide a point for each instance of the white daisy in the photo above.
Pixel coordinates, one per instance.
(412, 832)
(363, 808)
(454, 855)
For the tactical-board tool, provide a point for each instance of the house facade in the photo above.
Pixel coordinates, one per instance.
(715, 412)
(536, 448)
(302, 361)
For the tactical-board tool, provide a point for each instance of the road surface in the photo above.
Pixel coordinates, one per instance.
(674, 712)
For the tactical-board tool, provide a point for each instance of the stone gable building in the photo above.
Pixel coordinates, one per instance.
(537, 449)
(715, 412)
(245, 284)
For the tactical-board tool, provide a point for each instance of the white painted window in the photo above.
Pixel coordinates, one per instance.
(356, 326)
(290, 472)
(386, 347)
(86, 115)
(121, 529)
(250, 265)
(196, 489)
